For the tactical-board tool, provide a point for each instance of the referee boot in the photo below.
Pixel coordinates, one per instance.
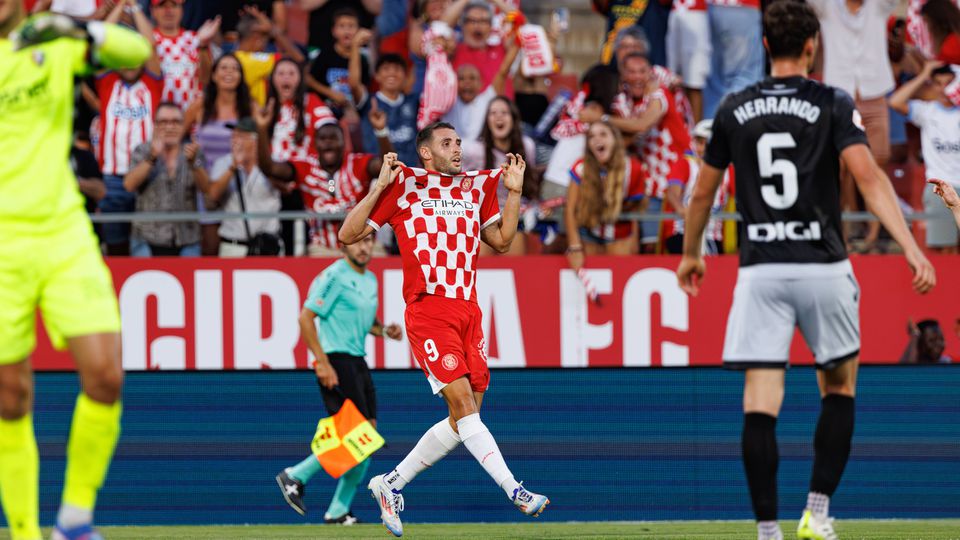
(293, 491)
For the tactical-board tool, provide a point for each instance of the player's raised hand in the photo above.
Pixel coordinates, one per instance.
(690, 274)
(924, 276)
(513, 171)
(44, 27)
(263, 116)
(945, 191)
(389, 170)
(393, 331)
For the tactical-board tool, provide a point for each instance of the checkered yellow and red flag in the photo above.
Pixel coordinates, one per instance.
(344, 440)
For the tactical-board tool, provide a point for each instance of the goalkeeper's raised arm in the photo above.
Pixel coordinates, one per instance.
(111, 46)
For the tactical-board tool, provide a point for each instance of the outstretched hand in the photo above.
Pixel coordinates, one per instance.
(513, 171)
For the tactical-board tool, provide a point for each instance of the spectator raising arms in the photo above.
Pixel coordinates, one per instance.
(475, 49)
(605, 183)
(330, 71)
(128, 99)
(225, 100)
(939, 123)
(167, 175)
(334, 182)
(948, 194)
(400, 108)
(501, 135)
(648, 112)
(297, 115)
(184, 55)
(255, 30)
(473, 97)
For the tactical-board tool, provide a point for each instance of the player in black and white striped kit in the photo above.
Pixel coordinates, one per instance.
(787, 137)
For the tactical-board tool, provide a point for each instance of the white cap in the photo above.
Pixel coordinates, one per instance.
(703, 129)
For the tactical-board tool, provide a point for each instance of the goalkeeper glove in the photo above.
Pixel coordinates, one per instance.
(44, 27)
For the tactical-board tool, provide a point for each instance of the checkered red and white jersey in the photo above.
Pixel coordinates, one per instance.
(284, 145)
(325, 193)
(126, 118)
(755, 4)
(568, 125)
(662, 145)
(690, 5)
(437, 219)
(180, 61)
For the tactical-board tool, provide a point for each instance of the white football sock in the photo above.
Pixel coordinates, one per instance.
(477, 438)
(436, 443)
(769, 530)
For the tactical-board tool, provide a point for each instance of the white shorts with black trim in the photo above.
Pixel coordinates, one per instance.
(770, 300)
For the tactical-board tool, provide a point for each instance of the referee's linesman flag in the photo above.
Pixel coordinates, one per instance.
(344, 440)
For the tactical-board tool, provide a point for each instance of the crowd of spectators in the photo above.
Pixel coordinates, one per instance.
(231, 114)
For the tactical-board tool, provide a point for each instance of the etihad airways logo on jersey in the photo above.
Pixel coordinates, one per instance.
(773, 105)
(448, 207)
(783, 231)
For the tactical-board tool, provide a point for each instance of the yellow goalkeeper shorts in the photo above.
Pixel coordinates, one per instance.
(62, 274)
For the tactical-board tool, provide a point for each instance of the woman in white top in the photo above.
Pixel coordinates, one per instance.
(501, 135)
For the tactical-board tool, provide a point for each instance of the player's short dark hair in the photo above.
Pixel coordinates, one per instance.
(787, 25)
(426, 134)
(345, 11)
(390, 59)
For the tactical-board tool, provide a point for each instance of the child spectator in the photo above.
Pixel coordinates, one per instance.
(502, 135)
(128, 100)
(184, 55)
(400, 108)
(323, 12)
(605, 183)
(225, 100)
(939, 123)
(297, 115)
(330, 71)
(167, 175)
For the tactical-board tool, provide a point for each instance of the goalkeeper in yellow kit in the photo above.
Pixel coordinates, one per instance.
(50, 259)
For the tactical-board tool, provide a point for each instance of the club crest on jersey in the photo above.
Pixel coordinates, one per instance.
(449, 361)
(38, 58)
(466, 184)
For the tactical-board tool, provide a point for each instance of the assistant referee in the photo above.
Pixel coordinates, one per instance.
(344, 300)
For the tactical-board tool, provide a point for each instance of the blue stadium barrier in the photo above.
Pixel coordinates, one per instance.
(604, 444)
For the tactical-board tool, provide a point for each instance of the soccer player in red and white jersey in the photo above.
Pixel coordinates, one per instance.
(440, 215)
(332, 181)
(184, 54)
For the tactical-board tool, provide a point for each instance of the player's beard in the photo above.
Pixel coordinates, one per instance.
(446, 166)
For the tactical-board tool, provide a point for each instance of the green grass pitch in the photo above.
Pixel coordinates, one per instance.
(947, 529)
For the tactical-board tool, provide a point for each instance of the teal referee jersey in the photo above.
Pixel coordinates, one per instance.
(346, 303)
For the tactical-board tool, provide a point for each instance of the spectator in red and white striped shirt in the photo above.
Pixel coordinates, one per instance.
(333, 182)
(184, 55)
(128, 101)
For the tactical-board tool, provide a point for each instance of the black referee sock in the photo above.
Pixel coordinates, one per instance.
(760, 460)
(832, 443)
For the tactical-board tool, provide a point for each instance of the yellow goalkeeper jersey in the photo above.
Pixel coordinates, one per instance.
(38, 190)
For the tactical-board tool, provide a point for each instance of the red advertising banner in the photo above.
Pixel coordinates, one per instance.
(223, 314)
